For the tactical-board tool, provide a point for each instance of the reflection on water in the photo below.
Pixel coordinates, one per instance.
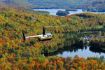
(79, 48)
(82, 50)
(85, 52)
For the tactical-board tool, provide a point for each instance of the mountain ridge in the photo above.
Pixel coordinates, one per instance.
(93, 5)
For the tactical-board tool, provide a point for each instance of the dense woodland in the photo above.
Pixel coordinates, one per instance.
(15, 54)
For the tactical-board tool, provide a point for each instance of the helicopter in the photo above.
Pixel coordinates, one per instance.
(41, 37)
(44, 36)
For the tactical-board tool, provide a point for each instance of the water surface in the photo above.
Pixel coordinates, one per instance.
(54, 11)
(85, 52)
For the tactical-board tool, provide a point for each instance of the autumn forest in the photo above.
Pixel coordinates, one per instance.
(32, 54)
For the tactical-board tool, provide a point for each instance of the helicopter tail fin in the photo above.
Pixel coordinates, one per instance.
(24, 38)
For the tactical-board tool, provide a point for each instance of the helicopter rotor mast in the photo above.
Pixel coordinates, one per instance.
(44, 31)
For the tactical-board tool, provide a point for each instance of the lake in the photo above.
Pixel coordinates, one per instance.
(54, 11)
(85, 52)
(83, 48)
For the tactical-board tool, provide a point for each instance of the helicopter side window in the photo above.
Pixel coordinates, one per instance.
(49, 35)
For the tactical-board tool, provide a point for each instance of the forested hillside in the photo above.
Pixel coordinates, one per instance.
(29, 55)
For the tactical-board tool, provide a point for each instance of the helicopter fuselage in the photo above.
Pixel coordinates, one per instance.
(46, 36)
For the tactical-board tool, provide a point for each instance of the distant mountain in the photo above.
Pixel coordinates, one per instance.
(92, 5)
(56, 3)
(18, 3)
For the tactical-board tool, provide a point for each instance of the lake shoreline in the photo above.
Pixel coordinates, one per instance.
(53, 11)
